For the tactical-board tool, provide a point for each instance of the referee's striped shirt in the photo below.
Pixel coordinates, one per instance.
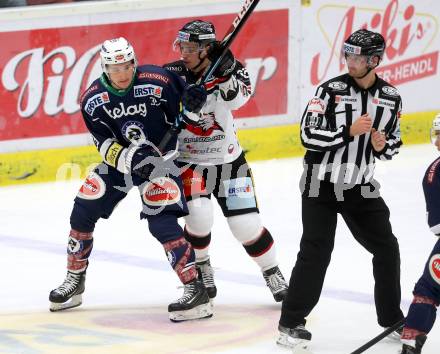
(325, 126)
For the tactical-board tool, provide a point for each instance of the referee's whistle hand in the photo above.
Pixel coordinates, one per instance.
(361, 125)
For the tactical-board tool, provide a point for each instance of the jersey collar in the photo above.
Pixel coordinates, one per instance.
(109, 87)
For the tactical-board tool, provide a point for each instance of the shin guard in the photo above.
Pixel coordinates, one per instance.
(79, 247)
(181, 257)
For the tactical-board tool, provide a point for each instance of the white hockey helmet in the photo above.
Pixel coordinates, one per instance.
(116, 51)
(435, 129)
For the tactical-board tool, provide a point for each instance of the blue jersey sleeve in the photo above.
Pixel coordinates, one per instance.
(431, 188)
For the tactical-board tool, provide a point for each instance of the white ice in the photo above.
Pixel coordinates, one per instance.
(129, 282)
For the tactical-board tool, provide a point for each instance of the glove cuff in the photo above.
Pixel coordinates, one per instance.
(129, 157)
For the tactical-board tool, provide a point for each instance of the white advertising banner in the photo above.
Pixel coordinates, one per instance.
(411, 31)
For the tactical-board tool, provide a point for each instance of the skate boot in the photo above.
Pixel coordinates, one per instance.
(71, 289)
(276, 283)
(294, 337)
(206, 275)
(416, 345)
(193, 304)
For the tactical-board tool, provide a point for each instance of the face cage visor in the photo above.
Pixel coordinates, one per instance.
(116, 69)
(195, 42)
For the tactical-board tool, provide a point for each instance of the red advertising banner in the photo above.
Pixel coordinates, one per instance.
(44, 71)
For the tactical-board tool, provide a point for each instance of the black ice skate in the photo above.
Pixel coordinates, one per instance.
(71, 289)
(194, 303)
(297, 337)
(417, 348)
(276, 283)
(206, 275)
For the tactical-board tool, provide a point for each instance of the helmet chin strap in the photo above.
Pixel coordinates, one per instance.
(368, 71)
(201, 60)
(369, 68)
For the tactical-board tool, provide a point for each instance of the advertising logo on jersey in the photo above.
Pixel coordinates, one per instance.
(92, 188)
(147, 90)
(161, 191)
(96, 101)
(133, 132)
(239, 193)
(316, 105)
(383, 103)
(390, 91)
(434, 267)
(154, 76)
(345, 99)
(205, 126)
(193, 182)
(122, 111)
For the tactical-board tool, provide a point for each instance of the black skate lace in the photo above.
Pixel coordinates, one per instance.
(207, 275)
(275, 282)
(69, 285)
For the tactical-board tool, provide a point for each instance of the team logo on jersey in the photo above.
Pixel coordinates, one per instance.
(434, 267)
(390, 91)
(96, 101)
(161, 191)
(133, 131)
(122, 111)
(205, 126)
(92, 188)
(337, 85)
(147, 90)
(383, 103)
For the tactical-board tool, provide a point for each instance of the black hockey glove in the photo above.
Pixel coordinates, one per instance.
(227, 64)
(143, 161)
(194, 97)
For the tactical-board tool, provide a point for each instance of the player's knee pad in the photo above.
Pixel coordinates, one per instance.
(79, 247)
(164, 227)
(181, 257)
(197, 242)
(201, 216)
(246, 227)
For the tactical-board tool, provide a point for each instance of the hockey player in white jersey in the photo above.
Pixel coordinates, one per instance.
(213, 162)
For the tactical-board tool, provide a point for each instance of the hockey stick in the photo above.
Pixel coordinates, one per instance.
(234, 29)
(379, 337)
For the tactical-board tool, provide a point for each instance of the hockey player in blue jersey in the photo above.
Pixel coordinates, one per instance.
(128, 110)
(422, 312)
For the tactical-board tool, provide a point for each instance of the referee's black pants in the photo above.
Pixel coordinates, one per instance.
(368, 221)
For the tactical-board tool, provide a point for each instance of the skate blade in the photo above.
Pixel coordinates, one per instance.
(201, 311)
(75, 301)
(286, 341)
(299, 350)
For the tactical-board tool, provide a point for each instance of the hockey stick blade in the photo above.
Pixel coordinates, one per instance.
(229, 37)
(378, 338)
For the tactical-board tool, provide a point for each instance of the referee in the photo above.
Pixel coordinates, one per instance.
(352, 120)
